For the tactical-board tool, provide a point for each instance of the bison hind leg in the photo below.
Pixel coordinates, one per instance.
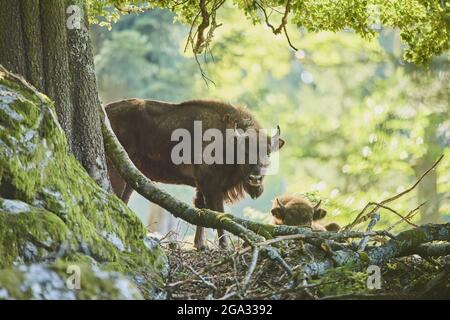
(126, 194)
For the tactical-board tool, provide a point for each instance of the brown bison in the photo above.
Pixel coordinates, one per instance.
(146, 130)
(298, 211)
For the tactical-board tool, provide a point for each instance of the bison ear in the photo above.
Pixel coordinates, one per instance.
(277, 144)
(319, 213)
(281, 143)
(278, 213)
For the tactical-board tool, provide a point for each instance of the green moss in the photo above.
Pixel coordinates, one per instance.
(50, 207)
(56, 281)
(10, 285)
(28, 233)
(342, 281)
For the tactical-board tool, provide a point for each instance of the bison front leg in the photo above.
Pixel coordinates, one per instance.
(214, 201)
(199, 240)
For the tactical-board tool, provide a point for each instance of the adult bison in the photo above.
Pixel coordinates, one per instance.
(147, 128)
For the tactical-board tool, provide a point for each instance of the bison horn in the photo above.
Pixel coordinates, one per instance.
(317, 205)
(277, 135)
(279, 203)
(236, 131)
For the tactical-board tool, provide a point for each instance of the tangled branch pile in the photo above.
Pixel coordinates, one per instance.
(213, 275)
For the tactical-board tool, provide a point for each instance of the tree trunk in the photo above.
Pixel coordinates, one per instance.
(36, 43)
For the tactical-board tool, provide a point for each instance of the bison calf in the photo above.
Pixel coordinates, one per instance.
(298, 211)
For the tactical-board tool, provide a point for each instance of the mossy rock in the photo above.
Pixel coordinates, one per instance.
(63, 281)
(49, 206)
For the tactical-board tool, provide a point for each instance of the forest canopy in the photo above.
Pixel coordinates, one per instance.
(423, 24)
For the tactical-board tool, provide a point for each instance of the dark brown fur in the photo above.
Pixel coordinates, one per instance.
(144, 128)
(298, 211)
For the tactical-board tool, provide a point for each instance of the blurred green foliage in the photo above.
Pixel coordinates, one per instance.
(356, 116)
(424, 24)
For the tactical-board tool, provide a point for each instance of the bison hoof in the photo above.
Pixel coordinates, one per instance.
(202, 246)
(223, 242)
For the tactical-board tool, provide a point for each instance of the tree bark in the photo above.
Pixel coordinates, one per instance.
(56, 63)
(30, 10)
(12, 51)
(87, 138)
(36, 43)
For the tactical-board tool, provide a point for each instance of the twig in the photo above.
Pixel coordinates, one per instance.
(395, 212)
(289, 39)
(289, 290)
(251, 269)
(228, 296)
(408, 217)
(181, 282)
(363, 243)
(235, 273)
(366, 296)
(283, 19)
(206, 282)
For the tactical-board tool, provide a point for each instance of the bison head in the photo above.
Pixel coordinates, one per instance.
(296, 211)
(257, 159)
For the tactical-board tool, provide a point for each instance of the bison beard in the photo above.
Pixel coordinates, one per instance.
(144, 128)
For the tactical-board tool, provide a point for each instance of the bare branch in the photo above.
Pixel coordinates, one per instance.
(251, 269)
(365, 240)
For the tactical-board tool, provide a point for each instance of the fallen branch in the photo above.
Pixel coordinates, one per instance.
(431, 250)
(403, 244)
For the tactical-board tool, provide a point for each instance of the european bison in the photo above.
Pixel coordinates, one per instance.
(145, 128)
(298, 211)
